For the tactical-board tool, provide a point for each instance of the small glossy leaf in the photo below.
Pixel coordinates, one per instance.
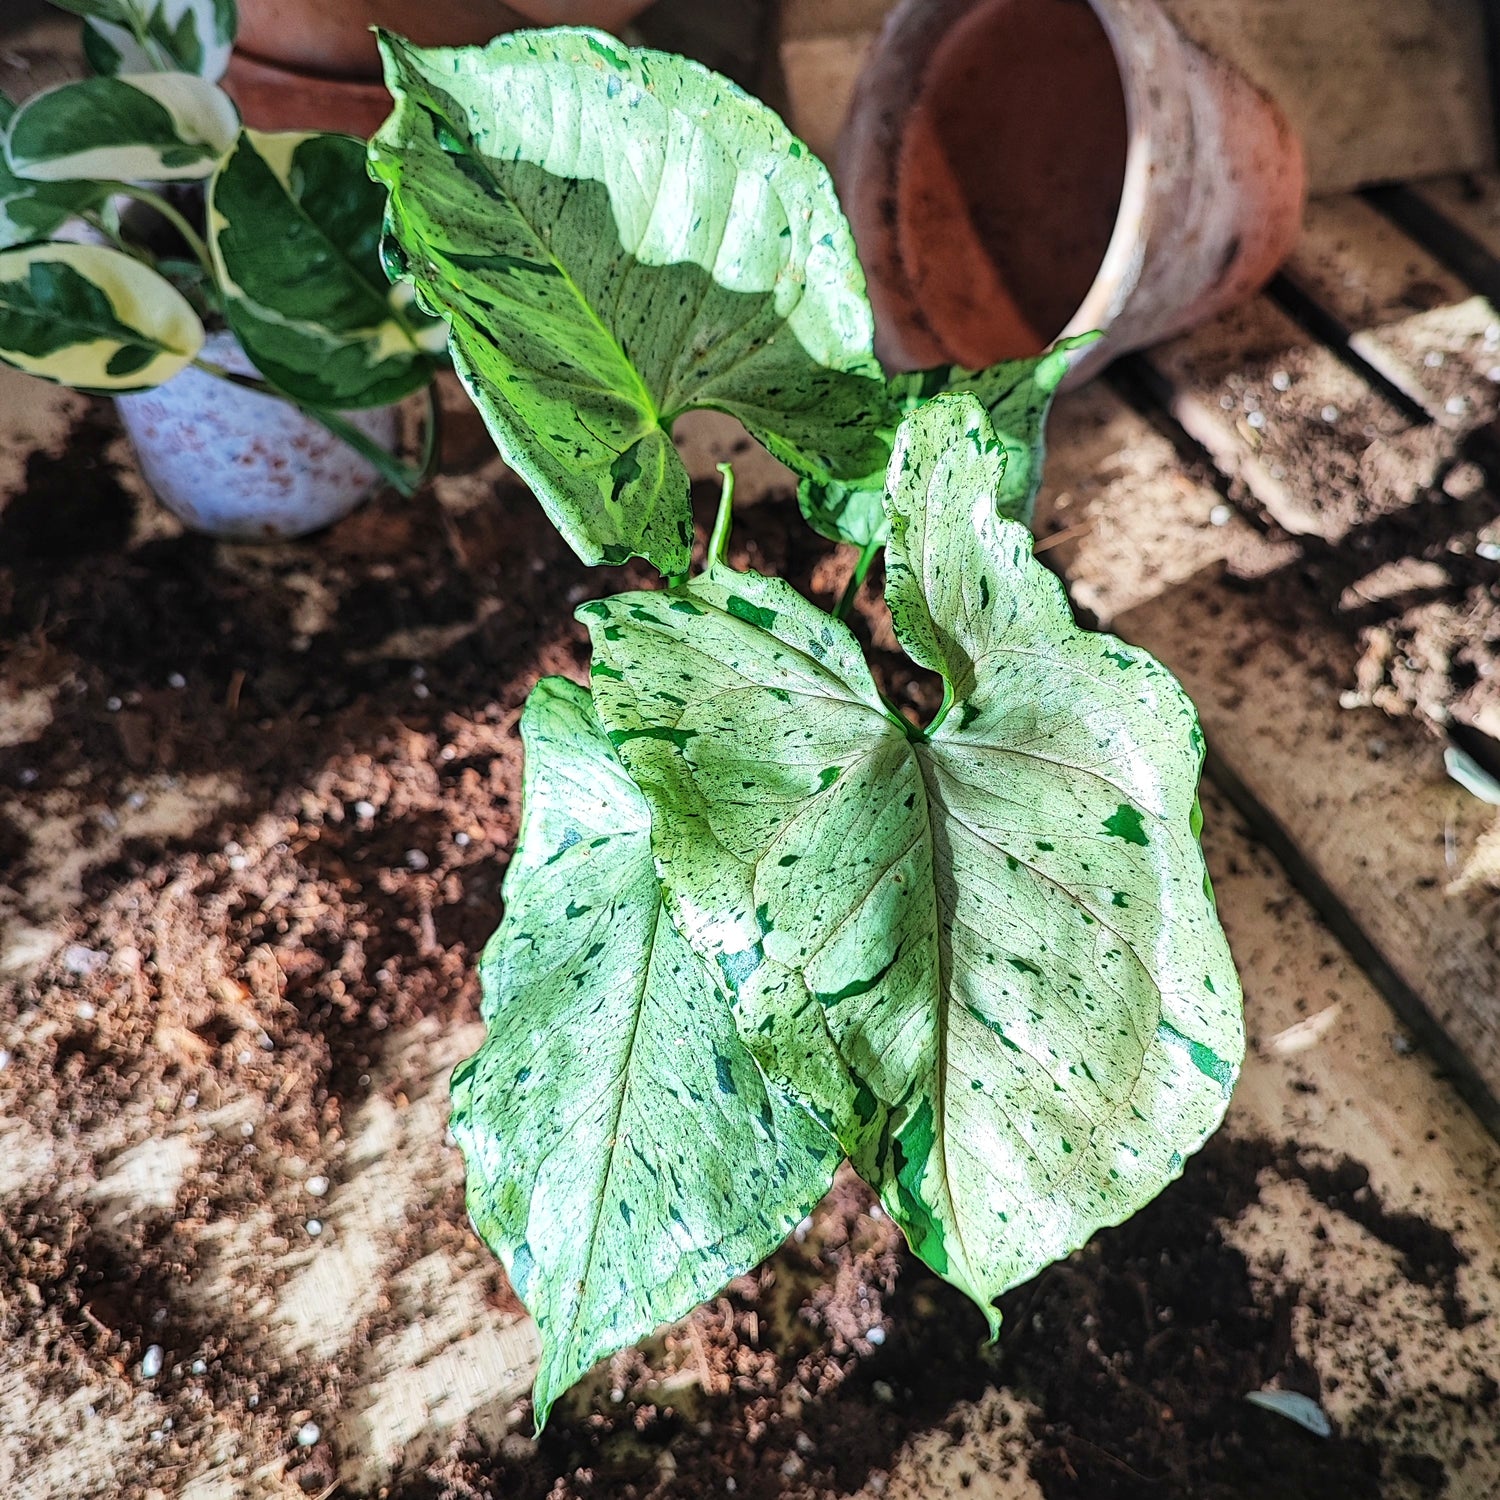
(1017, 394)
(294, 225)
(987, 953)
(93, 318)
(618, 236)
(35, 210)
(626, 1156)
(140, 36)
(145, 127)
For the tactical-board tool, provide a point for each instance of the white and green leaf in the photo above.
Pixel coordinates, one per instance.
(32, 211)
(93, 318)
(626, 1156)
(618, 236)
(294, 227)
(987, 953)
(140, 127)
(1017, 394)
(140, 36)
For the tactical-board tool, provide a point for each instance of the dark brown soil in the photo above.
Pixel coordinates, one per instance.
(1136, 1352)
(274, 949)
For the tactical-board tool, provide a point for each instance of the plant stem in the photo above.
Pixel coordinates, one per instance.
(405, 480)
(175, 219)
(112, 233)
(857, 579)
(943, 708)
(718, 542)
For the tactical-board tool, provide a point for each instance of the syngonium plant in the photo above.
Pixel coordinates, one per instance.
(757, 919)
(274, 235)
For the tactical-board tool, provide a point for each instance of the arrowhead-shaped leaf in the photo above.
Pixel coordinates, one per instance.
(35, 210)
(138, 36)
(294, 224)
(144, 127)
(1017, 394)
(988, 952)
(93, 318)
(626, 1156)
(619, 236)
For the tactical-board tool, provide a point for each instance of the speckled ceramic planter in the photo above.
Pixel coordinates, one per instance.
(240, 465)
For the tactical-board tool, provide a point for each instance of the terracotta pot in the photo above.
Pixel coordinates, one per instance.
(274, 97)
(303, 66)
(607, 15)
(240, 465)
(1017, 170)
(332, 38)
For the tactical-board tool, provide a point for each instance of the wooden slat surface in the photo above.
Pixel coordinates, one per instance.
(1404, 312)
(1363, 798)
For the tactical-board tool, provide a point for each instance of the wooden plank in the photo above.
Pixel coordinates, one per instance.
(1307, 436)
(1380, 93)
(1328, 1070)
(1471, 203)
(1362, 798)
(1402, 310)
(1124, 519)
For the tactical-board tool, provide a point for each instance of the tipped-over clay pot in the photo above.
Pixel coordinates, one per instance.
(1019, 170)
(300, 65)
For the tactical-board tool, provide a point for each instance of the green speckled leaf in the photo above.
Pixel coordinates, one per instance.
(987, 954)
(140, 127)
(626, 1156)
(1017, 394)
(619, 236)
(294, 225)
(35, 210)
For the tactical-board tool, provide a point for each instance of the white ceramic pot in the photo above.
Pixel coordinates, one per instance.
(241, 465)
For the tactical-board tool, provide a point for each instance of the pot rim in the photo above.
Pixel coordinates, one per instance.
(1124, 257)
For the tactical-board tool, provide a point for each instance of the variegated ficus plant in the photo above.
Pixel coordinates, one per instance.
(758, 919)
(135, 210)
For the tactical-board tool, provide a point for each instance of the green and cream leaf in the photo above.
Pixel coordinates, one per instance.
(141, 36)
(142, 127)
(93, 318)
(618, 236)
(987, 953)
(626, 1156)
(294, 228)
(32, 211)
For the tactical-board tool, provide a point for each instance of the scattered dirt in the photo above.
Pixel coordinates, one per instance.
(1132, 1359)
(254, 819)
(1391, 502)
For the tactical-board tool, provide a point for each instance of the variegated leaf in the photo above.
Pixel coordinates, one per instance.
(294, 225)
(140, 127)
(93, 318)
(141, 36)
(619, 236)
(35, 210)
(626, 1156)
(987, 951)
(1017, 394)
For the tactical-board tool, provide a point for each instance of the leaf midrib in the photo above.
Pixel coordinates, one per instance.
(645, 398)
(390, 313)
